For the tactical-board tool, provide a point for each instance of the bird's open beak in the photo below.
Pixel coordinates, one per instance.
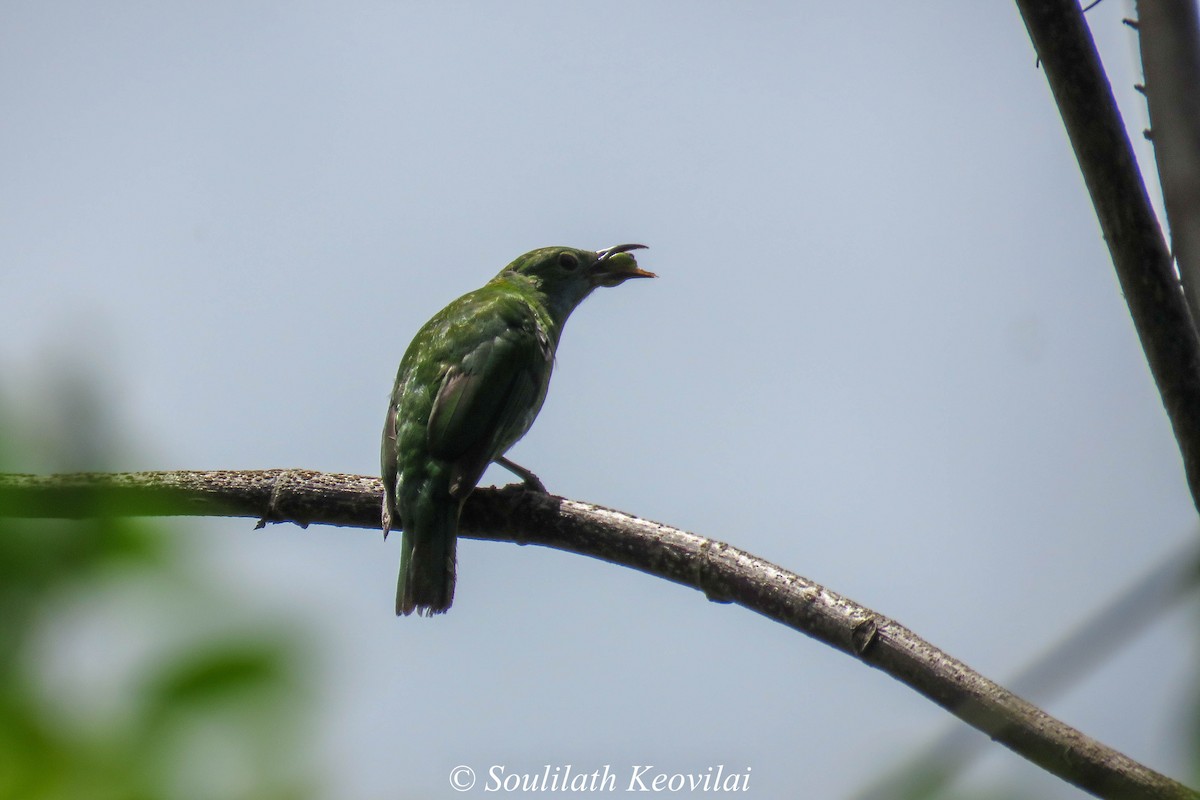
(614, 265)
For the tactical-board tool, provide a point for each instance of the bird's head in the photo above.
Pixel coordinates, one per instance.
(568, 274)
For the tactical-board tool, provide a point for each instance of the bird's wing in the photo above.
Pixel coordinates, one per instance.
(391, 470)
(489, 399)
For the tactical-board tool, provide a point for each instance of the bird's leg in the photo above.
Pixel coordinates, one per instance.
(531, 481)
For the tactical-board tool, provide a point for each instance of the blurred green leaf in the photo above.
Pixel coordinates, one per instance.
(216, 714)
(220, 674)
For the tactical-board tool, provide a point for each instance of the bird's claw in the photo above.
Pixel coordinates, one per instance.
(531, 482)
(534, 484)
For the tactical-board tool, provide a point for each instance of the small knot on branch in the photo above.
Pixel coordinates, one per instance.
(707, 573)
(274, 512)
(864, 635)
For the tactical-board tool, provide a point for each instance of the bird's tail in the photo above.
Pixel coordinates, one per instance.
(427, 561)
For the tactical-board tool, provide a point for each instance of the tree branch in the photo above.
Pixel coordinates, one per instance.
(1085, 100)
(724, 573)
(1169, 38)
(1107, 629)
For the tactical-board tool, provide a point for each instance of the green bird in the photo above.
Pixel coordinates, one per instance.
(469, 386)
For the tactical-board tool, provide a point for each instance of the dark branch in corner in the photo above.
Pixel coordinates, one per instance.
(1169, 39)
(1085, 100)
(724, 573)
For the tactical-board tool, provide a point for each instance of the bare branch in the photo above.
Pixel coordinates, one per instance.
(1085, 100)
(1169, 35)
(724, 573)
(1105, 631)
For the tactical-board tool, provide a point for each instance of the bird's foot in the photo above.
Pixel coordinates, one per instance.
(532, 482)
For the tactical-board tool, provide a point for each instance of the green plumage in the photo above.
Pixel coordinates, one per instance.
(469, 386)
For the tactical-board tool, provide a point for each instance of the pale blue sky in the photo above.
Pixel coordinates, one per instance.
(887, 351)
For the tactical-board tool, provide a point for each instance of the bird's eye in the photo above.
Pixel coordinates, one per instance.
(568, 261)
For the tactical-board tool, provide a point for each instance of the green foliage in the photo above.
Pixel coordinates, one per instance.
(206, 713)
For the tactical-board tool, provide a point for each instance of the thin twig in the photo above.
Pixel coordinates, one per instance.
(724, 573)
(930, 773)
